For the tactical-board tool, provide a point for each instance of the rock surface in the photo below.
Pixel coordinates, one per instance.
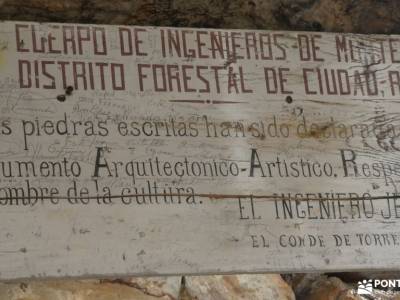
(363, 16)
(232, 287)
(323, 287)
(134, 289)
(238, 287)
(227, 287)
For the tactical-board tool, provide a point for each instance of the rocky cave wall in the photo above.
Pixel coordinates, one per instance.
(360, 16)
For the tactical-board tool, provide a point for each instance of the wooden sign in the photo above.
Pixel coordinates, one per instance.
(146, 151)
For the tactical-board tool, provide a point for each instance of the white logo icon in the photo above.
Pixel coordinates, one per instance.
(365, 287)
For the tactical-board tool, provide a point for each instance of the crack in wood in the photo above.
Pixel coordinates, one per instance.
(210, 196)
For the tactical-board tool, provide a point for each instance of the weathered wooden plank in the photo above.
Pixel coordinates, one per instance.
(141, 150)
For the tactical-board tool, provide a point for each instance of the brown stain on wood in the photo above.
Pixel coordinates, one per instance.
(316, 133)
